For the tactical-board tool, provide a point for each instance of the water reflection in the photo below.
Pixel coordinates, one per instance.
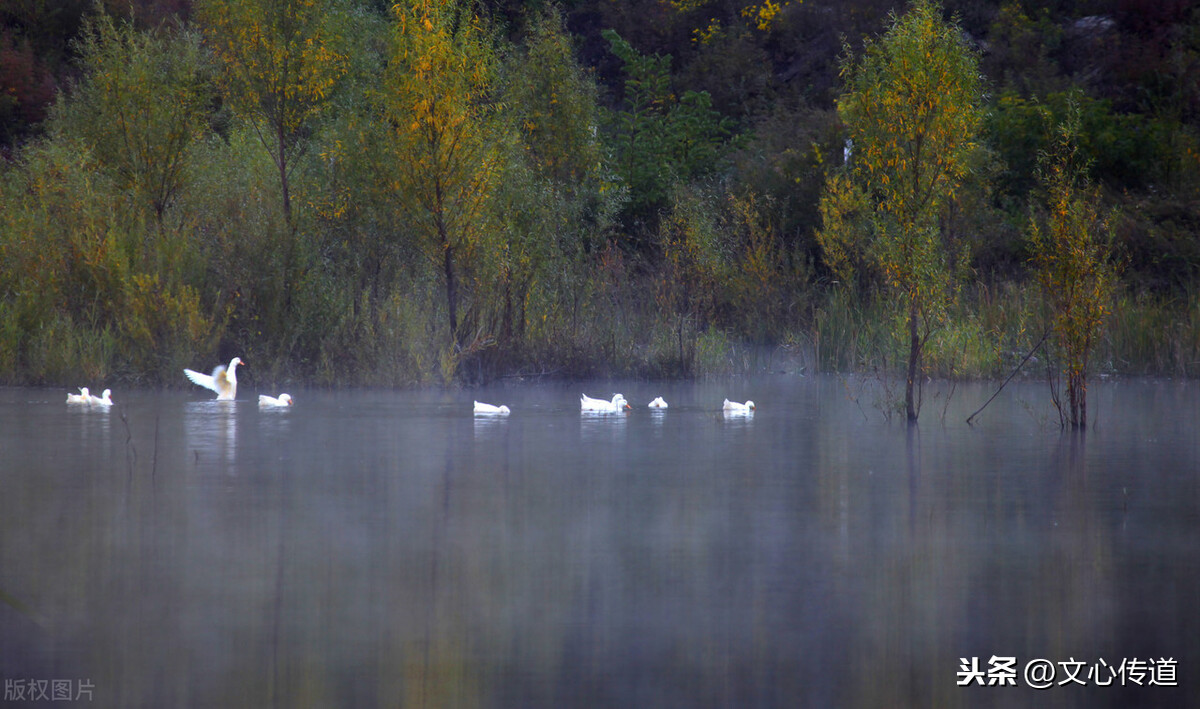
(95, 421)
(600, 426)
(490, 425)
(274, 420)
(737, 420)
(381, 548)
(657, 417)
(212, 432)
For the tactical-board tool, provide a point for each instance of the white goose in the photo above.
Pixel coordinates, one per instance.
(618, 403)
(104, 399)
(733, 407)
(658, 403)
(83, 397)
(223, 380)
(487, 409)
(281, 400)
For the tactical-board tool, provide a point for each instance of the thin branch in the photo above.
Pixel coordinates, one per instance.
(1010, 376)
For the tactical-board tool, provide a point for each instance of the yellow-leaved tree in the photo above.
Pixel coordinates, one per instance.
(437, 99)
(912, 109)
(281, 63)
(1072, 255)
(140, 102)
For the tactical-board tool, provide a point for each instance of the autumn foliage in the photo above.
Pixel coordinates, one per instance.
(912, 110)
(354, 191)
(1072, 254)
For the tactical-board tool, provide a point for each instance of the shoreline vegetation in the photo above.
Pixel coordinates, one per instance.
(453, 193)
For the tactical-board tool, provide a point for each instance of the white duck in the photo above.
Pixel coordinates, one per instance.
(104, 399)
(223, 380)
(281, 400)
(658, 403)
(618, 403)
(482, 408)
(83, 397)
(733, 407)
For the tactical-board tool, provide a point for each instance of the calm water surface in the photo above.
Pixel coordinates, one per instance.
(370, 548)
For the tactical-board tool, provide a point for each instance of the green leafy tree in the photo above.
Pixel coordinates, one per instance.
(1024, 44)
(912, 108)
(1072, 255)
(281, 63)
(556, 193)
(74, 298)
(143, 98)
(437, 97)
(554, 103)
(661, 138)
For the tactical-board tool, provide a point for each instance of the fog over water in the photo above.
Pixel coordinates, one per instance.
(381, 548)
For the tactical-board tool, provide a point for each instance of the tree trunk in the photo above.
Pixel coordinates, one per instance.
(447, 261)
(281, 141)
(914, 354)
(1077, 398)
(287, 199)
(451, 290)
(506, 327)
(1082, 400)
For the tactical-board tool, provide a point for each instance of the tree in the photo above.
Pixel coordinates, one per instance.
(554, 103)
(661, 138)
(556, 190)
(436, 99)
(143, 98)
(1072, 258)
(912, 111)
(281, 65)
(26, 87)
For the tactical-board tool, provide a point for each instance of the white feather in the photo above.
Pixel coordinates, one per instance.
(482, 408)
(618, 403)
(223, 380)
(281, 400)
(733, 407)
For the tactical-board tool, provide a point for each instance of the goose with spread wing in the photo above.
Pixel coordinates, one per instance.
(223, 380)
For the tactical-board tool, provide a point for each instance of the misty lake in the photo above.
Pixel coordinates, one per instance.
(383, 548)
